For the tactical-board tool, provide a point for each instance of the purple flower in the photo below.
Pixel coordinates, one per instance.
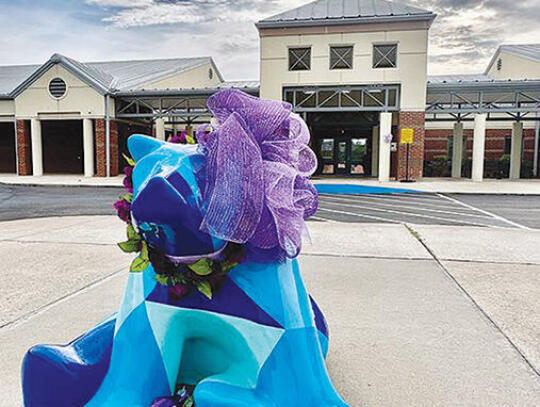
(178, 291)
(123, 209)
(128, 180)
(179, 138)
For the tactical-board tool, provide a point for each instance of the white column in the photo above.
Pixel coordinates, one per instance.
(37, 147)
(457, 150)
(385, 132)
(479, 144)
(88, 147)
(375, 151)
(515, 150)
(160, 128)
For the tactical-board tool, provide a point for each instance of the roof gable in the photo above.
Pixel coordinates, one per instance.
(105, 77)
(346, 11)
(528, 51)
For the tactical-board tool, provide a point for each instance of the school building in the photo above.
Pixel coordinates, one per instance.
(355, 70)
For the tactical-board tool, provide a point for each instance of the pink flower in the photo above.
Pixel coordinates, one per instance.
(128, 180)
(123, 209)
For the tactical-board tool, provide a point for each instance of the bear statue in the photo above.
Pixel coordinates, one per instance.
(252, 337)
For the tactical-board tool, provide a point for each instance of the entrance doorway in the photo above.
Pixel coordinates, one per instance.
(7, 148)
(343, 142)
(62, 146)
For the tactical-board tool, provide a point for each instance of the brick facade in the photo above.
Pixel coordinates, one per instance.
(100, 144)
(24, 148)
(416, 121)
(436, 143)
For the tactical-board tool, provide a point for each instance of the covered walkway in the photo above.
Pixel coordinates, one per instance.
(482, 100)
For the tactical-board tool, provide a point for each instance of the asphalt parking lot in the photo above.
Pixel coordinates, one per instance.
(509, 211)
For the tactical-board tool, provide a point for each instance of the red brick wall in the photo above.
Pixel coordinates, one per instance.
(100, 142)
(436, 143)
(416, 121)
(24, 148)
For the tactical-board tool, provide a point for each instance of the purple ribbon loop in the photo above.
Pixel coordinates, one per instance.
(258, 166)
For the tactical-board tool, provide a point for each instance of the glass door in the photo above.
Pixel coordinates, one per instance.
(358, 156)
(342, 153)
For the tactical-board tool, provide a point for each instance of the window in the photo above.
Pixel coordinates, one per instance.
(299, 59)
(384, 55)
(57, 88)
(341, 57)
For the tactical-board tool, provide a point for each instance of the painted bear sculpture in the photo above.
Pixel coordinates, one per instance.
(259, 342)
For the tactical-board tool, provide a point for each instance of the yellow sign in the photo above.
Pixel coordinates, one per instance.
(406, 136)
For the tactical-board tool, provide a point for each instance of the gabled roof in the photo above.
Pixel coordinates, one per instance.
(528, 51)
(105, 77)
(325, 12)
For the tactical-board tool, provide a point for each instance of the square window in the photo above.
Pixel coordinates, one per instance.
(341, 57)
(299, 59)
(384, 56)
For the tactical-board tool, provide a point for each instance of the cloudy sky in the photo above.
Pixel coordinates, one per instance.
(463, 37)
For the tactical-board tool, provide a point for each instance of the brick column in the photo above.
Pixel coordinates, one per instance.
(101, 142)
(416, 121)
(24, 148)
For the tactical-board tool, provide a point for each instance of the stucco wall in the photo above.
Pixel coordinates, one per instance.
(411, 71)
(7, 109)
(197, 77)
(80, 98)
(515, 67)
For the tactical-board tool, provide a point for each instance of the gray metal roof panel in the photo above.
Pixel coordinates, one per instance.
(107, 76)
(347, 10)
(12, 75)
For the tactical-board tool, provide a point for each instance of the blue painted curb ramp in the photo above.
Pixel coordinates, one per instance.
(355, 189)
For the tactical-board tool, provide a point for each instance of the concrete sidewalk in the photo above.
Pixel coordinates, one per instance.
(440, 185)
(428, 316)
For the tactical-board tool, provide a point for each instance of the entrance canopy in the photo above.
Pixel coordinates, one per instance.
(353, 98)
(183, 105)
(452, 98)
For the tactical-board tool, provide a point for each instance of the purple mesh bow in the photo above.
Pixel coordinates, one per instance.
(258, 167)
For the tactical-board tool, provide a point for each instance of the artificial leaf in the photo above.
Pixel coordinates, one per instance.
(144, 252)
(203, 267)
(130, 246)
(161, 279)
(190, 140)
(127, 197)
(129, 160)
(132, 234)
(226, 266)
(205, 289)
(138, 265)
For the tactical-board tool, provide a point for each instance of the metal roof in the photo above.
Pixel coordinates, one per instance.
(346, 12)
(478, 81)
(106, 77)
(528, 51)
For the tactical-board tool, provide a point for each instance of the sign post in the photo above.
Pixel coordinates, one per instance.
(407, 137)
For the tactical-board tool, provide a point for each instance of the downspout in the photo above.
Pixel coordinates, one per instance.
(536, 139)
(107, 135)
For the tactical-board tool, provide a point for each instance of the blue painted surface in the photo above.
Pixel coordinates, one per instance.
(261, 343)
(354, 189)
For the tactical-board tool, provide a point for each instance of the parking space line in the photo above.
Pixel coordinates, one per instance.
(462, 222)
(500, 218)
(361, 215)
(388, 198)
(419, 208)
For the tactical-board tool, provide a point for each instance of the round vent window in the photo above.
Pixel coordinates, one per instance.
(57, 88)
(210, 73)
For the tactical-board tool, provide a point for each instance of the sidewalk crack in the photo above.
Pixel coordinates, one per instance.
(473, 301)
